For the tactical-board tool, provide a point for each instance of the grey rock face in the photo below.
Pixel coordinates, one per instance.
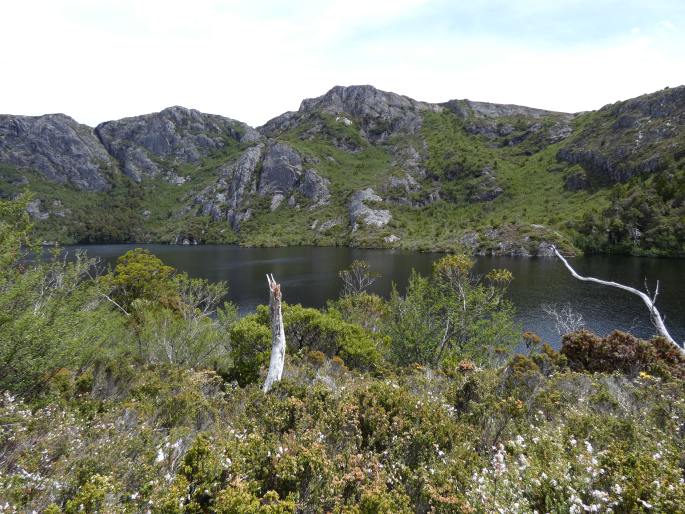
(379, 113)
(229, 196)
(486, 188)
(235, 218)
(281, 169)
(276, 201)
(175, 135)
(240, 176)
(34, 210)
(56, 146)
(282, 173)
(630, 138)
(484, 119)
(362, 213)
(490, 110)
(315, 187)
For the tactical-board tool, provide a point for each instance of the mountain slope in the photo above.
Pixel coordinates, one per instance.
(359, 166)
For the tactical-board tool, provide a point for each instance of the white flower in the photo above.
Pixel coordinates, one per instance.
(645, 504)
(498, 461)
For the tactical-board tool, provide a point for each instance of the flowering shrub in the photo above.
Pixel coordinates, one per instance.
(165, 439)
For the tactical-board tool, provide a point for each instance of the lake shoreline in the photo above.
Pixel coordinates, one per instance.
(309, 275)
(577, 253)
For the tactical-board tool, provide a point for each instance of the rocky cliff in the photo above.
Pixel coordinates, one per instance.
(640, 136)
(57, 147)
(154, 144)
(361, 166)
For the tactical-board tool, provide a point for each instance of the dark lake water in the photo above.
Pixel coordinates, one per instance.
(309, 276)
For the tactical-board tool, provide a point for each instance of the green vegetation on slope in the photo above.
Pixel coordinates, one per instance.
(480, 181)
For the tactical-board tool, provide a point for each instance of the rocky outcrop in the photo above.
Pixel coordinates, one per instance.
(57, 147)
(638, 136)
(282, 174)
(512, 241)
(34, 208)
(485, 188)
(361, 213)
(315, 187)
(229, 197)
(155, 144)
(511, 125)
(281, 169)
(240, 177)
(378, 113)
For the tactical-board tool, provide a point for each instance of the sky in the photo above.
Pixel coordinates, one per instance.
(98, 60)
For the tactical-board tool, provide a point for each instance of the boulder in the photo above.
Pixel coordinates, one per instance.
(361, 213)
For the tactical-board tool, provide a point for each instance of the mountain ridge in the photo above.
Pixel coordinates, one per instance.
(469, 171)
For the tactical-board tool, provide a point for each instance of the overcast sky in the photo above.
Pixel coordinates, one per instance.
(252, 60)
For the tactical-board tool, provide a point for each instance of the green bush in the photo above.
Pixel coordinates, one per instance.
(313, 330)
(452, 315)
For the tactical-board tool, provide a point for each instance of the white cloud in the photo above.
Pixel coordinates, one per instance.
(99, 60)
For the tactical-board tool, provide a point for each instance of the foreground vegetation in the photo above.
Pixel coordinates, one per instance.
(137, 389)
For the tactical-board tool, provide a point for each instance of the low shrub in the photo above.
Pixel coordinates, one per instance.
(622, 352)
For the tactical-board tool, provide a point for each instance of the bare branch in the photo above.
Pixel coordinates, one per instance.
(107, 297)
(357, 278)
(657, 320)
(566, 319)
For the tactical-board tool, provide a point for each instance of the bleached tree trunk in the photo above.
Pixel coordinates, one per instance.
(277, 335)
(657, 320)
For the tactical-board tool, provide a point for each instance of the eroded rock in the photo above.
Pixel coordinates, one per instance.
(362, 213)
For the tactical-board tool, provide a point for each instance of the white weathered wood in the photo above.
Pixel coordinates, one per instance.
(657, 320)
(277, 335)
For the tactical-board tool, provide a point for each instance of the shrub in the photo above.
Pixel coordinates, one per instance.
(451, 315)
(622, 352)
(250, 349)
(313, 330)
(140, 275)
